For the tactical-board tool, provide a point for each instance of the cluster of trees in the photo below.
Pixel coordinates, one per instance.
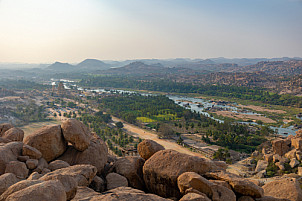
(30, 113)
(130, 106)
(22, 84)
(244, 93)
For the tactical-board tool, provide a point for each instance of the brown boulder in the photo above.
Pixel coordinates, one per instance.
(287, 188)
(57, 164)
(269, 198)
(98, 184)
(32, 152)
(95, 155)
(69, 183)
(17, 187)
(34, 176)
(9, 152)
(46, 191)
(127, 194)
(18, 168)
(246, 198)
(221, 183)
(83, 174)
(22, 158)
(131, 167)
(76, 133)
(115, 180)
(84, 194)
(280, 146)
(32, 163)
(163, 168)
(148, 147)
(194, 197)
(49, 141)
(192, 180)
(238, 184)
(297, 143)
(4, 141)
(291, 154)
(5, 127)
(6, 180)
(14, 134)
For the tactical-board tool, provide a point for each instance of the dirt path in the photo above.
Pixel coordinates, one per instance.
(145, 134)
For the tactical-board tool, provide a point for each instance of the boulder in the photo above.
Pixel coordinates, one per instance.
(6, 180)
(194, 197)
(5, 127)
(17, 187)
(276, 158)
(131, 167)
(49, 141)
(127, 194)
(261, 174)
(238, 184)
(261, 165)
(291, 154)
(76, 133)
(14, 134)
(269, 198)
(221, 183)
(294, 162)
(297, 143)
(69, 183)
(299, 155)
(46, 191)
(246, 198)
(22, 158)
(280, 165)
(83, 174)
(163, 168)
(287, 188)
(97, 184)
(300, 171)
(281, 146)
(4, 141)
(84, 194)
(147, 148)
(31, 152)
(32, 163)
(95, 155)
(192, 180)
(115, 180)
(9, 152)
(45, 171)
(18, 168)
(57, 164)
(34, 176)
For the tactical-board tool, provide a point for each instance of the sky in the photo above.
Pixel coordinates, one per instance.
(45, 31)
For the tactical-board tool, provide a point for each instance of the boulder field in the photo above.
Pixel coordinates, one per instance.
(68, 162)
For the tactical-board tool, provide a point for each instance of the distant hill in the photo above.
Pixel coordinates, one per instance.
(61, 67)
(289, 68)
(93, 64)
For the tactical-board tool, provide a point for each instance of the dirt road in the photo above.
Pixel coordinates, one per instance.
(145, 134)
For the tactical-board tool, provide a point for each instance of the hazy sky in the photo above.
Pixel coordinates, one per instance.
(37, 31)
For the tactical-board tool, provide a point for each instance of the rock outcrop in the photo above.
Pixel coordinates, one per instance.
(49, 141)
(147, 148)
(14, 134)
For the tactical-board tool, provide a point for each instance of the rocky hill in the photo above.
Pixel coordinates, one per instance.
(292, 67)
(68, 162)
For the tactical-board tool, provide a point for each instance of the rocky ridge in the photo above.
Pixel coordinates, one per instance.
(68, 162)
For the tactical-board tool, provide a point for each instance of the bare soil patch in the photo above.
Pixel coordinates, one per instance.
(245, 117)
(262, 109)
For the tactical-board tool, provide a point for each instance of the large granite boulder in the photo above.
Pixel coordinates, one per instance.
(5, 127)
(76, 133)
(49, 141)
(31, 152)
(115, 180)
(46, 191)
(9, 152)
(281, 146)
(57, 164)
(148, 147)
(192, 180)
(17, 187)
(288, 188)
(83, 174)
(261, 165)
(6, 180)
(131, 167)
(297, 143)
(239, 185)
(164, 167)
(95, 154)
(194, 197)
(18, 168)
(14, 134)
